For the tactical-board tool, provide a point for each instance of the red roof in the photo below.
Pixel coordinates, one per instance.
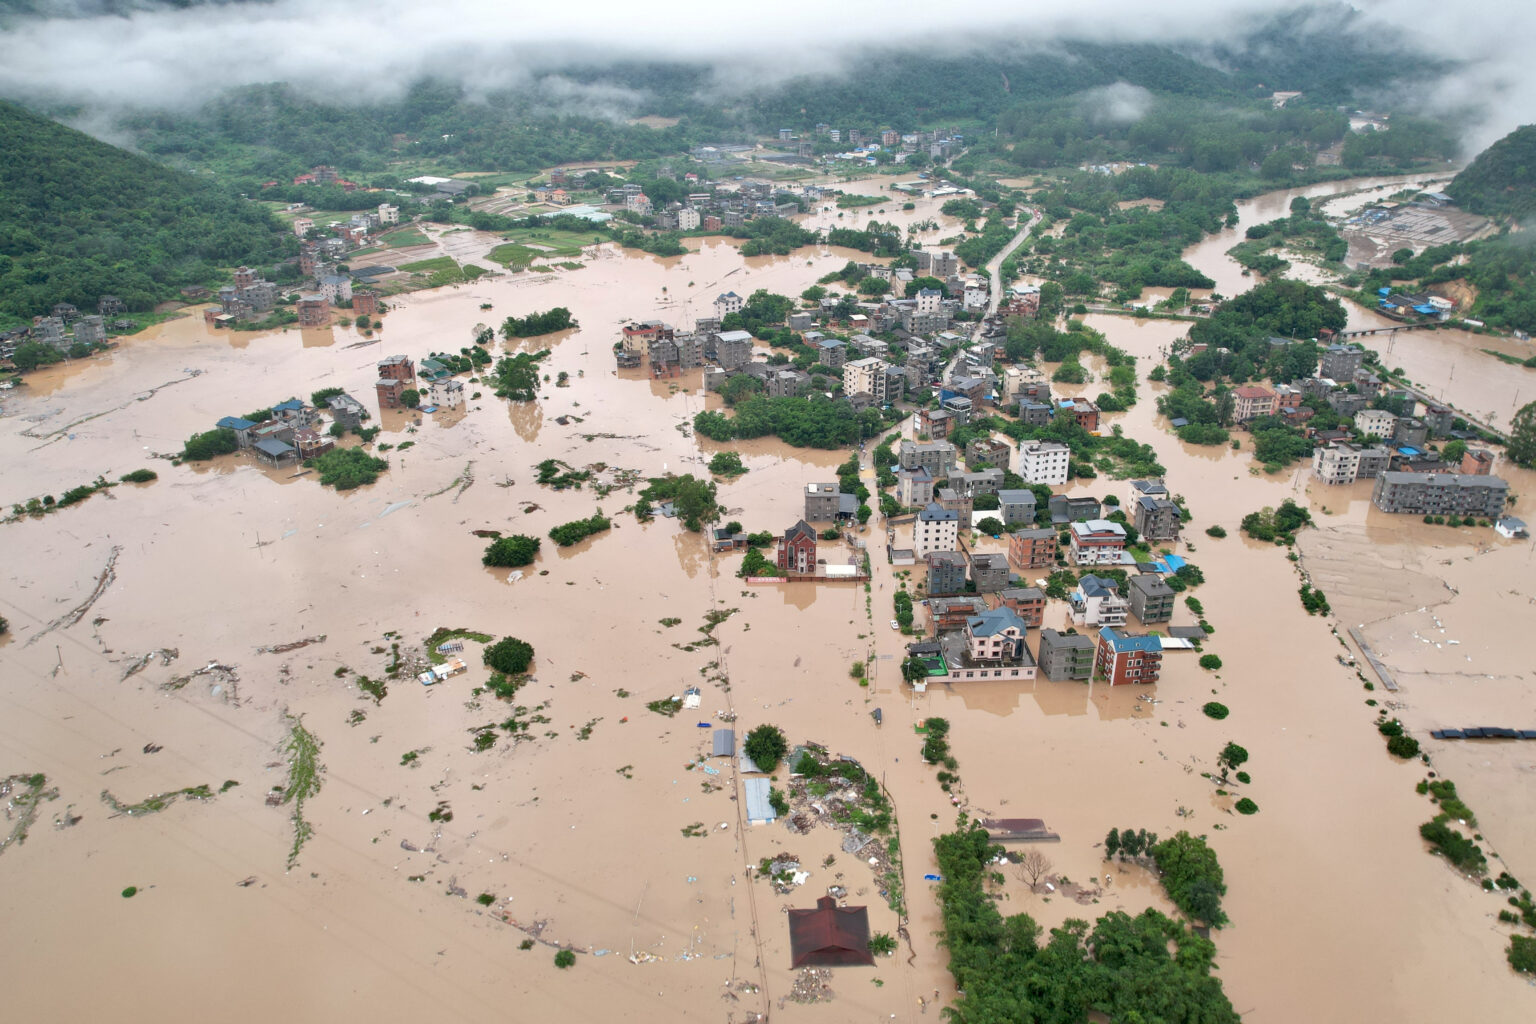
(829, 936)
(1253, 392)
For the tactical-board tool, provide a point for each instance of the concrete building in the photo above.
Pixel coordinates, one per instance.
(1340, 362)
(939, 458)
(1098, 542)
(1124, 659)
(866, 377)
(1044, 462)
(1410, 432)
(733, 349)
(728, 303)
(985, 453)
(1476, 462)
(1065, 655)
(1443, 494)
(1375, 423)
(1032, 549)
(313, 310)
(946, 573)
(1343, 463)
(688, 219)
(1097, 601)
(936, 529)
(821, 502)
(90, 330)
(1016, 507)
(1152, 600)
(1074, 508)
(914, 487)
(991, 647)
(989, 572)
(1253, 401)
(1156, 519)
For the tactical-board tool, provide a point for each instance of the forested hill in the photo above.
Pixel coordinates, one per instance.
(1501, 182)
(80, 219)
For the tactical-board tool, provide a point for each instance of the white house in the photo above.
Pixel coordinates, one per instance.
(389, 214)
(1044, 462)
(1375, 422)
(936, 529)
(728, 303)
(688, 219)
(447, 393)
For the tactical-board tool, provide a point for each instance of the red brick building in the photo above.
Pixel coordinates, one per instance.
(397, 368)
(1028, 603)
(1123, 659)
(797, 549)
(390, 393)
(365, 303)
(313, 311)
(1032, 549)
(1476, 462)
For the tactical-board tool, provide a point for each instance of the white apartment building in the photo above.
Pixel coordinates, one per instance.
(936, 529)
(1375, 423)
(1044, 462)
(866, 376)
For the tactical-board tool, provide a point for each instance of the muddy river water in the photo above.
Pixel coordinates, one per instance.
(597, 830)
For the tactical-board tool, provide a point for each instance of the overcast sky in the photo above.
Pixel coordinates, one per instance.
(371, 49)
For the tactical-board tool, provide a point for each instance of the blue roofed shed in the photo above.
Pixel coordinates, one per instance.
(759, 810)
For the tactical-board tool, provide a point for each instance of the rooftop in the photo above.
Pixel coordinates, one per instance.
(1122, 643)
(996, 621)
(936, 513)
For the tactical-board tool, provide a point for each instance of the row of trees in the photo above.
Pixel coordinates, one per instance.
(535, 324)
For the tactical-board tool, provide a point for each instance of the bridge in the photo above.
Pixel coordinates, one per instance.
(1387, 330)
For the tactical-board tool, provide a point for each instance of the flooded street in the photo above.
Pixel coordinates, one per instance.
(599, 827)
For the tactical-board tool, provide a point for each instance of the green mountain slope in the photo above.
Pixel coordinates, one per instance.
(81, 219)
(1501, 182)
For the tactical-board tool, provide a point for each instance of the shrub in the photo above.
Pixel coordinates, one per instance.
(140, 476)
(1215, 531)
(1454, 846)
(1216, 710)
(485, 899)
(1522, 954)
(579, 529)
(726, 464)
(1210, 661)
(509, 655)
(882, 944)
(766, 746)
(208, 445)
(346, 468)
(1246, 806)
(1403, 746)
(510, 552)
(1244, 778)
(565, 958)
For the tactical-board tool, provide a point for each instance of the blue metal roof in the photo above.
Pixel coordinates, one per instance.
(293, 404)
(995, 621)
(235, 423)
(1121, 643)
(758, 807)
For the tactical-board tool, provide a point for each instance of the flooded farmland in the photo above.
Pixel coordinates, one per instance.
(152, 649)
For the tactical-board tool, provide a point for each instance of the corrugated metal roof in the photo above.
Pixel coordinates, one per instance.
(758, 807)
(725, 743)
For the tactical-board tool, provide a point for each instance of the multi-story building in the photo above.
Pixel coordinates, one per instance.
(1028, 603)
(937, 457)
(1098, 542)
(1152, 600)
(1252, 401)
(733, 349)
(1439, 419)
(950, 613)
(1444, 494)
(688, 219)
(313, 310)
(1124, 659)
(1016, 507)
(991, 647)
(365, 303)
(956, 501)
(946, 573)
(866, 377)
(1156, 519)
(1097, 602)
(989, 572)
(90, 330)
(914, 487)
(936, 423)
(986, 481)
(1340, 362)
(728, 303)
(1343, 463)
(1082, 410)
(1032, 549)
(1410, 432)
(1375, 423)
(397, 367)
(1044, 462)
(822, 502)
(936, 529)
(1074, 508)
(985, 453)
(1065, 655)
(797, 549)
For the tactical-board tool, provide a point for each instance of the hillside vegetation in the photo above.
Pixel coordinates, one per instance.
(81, 219)
(1501, 182)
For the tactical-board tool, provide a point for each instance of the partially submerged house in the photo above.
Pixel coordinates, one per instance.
(829, 936)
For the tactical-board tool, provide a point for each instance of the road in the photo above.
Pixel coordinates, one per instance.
(995, 268)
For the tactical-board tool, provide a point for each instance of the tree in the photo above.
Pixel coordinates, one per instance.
(410, 398)
(1112, 844)
(1454, 451)
(913, 670)
(509, 656)
(1231, 758)
(726, 464)
(565, 958)
(347, 468)
(510, 552)
(1522, 436)
(1192, 876)
(1211, 662)
(1034, 867)
(766, 746)
(207, 445)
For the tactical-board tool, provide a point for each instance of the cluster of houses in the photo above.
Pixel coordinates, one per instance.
(862, 146)
(65, 327)
(295, 430)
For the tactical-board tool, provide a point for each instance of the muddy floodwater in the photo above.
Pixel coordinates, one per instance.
(160, 634)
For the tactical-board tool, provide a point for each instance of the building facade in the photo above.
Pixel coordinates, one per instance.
(1044, 462)
(1065, 655)
(1445, 494)
(797, 549)
(936, 529)
(1124, 659)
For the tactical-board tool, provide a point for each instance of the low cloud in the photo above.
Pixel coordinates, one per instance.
(1118, 103)
(109, 54)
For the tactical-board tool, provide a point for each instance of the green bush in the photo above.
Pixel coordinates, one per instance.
(1210, 661)
(1454, 846)
(510, 552)
(1246, 806)
(579, 529)
(509, 655)
(346, 468)
(882, 944)
(208, 445)
(1522, 954)
(565, 958)
(140, 476)
(1216, 710)
(1403, 746)
(1215, 531)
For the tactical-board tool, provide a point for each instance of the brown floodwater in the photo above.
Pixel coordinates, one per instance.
(1329, 882)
